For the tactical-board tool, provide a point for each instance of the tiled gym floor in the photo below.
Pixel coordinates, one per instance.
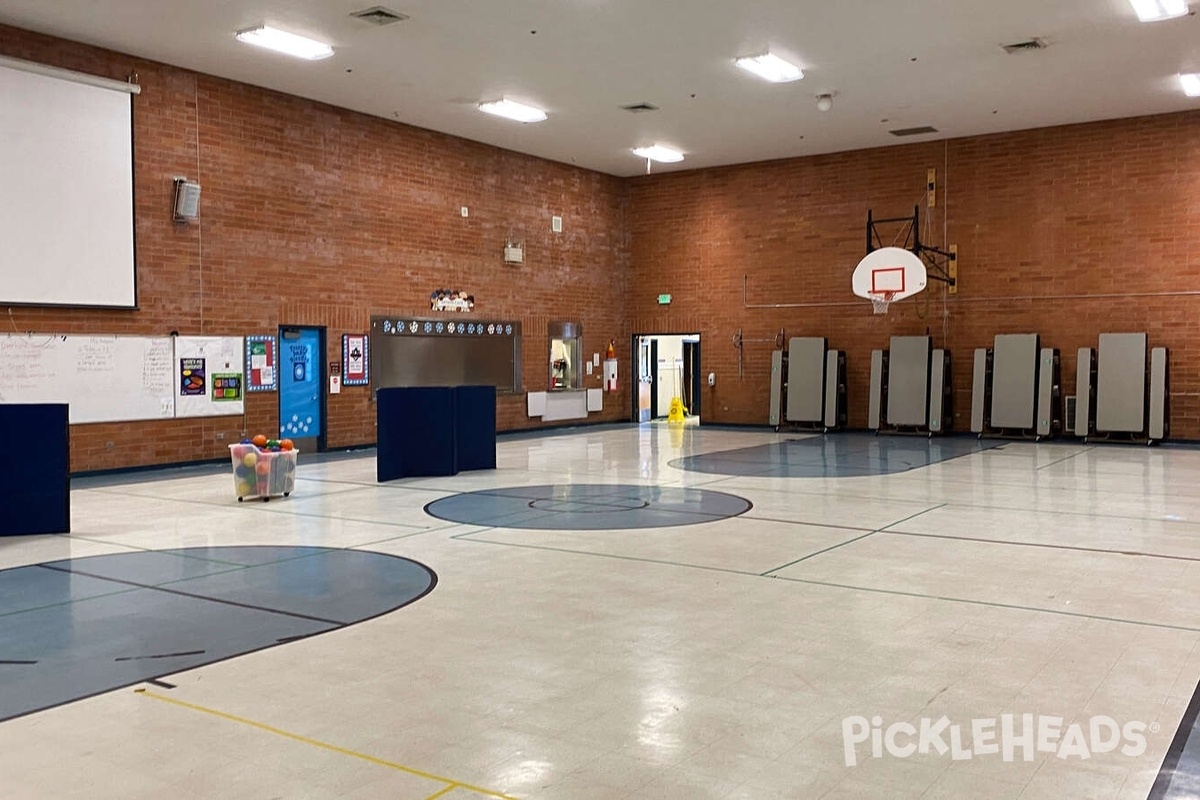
(725, 658)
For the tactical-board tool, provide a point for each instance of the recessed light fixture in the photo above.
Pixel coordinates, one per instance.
(770, 67)
(284, 42)
(1190, 84)
(658, 153)
(513, 110)
(1154, 10)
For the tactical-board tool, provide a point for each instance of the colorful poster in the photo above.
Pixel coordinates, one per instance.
(261, 358)
(191, 377)
(451, 300)
(356, 357)
(226, 388)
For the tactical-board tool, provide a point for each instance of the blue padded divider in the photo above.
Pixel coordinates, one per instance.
(416, 432)
(35, 463)
(475, 427)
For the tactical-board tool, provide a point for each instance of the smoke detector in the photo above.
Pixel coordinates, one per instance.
(379, 16)
(1024, 47)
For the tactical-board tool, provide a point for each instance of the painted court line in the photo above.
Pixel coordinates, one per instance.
(194, 596)
(851, 541)
(451, 783)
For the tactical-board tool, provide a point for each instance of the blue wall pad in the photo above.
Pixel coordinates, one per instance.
(581, 507)
(435, 430)
(35, 483)
(840, 455)
(475, 427)
(416, 432)
(75, 628)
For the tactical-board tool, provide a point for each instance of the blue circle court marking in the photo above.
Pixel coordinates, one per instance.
(588, 506)
(78, 627)
(837, 455)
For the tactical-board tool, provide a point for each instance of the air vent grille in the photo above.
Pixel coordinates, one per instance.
(1024, 47)
(378, 15)
(914, 131)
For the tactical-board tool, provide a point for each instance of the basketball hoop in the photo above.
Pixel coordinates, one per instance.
(881, 300)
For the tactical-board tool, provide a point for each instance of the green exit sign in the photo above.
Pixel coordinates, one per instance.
(664, 299)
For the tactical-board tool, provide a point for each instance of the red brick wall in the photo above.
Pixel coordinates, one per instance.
(316, 215)
(1068, 232)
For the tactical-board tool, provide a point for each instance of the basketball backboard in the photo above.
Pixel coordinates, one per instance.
(889, 274)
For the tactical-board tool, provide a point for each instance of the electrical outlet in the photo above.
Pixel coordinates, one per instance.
(220, 437)
(466, 212)
(556, 224)
(931, 187)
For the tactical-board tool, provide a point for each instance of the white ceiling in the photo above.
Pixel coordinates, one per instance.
(909, 62)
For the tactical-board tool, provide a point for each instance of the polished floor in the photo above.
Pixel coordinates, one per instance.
(1048, 591)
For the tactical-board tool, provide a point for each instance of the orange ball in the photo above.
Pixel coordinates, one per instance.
(263, 467)
(286, 444)
(259, 441)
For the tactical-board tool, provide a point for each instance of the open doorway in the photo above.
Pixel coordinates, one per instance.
(667, 366)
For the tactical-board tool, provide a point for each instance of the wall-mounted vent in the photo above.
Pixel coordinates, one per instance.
(639, 108)
(1024, 47)
(913, 131)
(378, 15)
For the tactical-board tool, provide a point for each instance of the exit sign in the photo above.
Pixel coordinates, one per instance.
(664, 299)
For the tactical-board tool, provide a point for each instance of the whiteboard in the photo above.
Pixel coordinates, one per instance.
(102, 378)
(202, 364)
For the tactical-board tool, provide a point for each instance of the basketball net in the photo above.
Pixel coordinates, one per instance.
(881, 301)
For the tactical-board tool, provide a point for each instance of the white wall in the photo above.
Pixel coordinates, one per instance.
(670, 370)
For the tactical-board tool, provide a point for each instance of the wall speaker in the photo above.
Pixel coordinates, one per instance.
(187, 200)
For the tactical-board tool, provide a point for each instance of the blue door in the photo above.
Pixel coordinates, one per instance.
(301, 406)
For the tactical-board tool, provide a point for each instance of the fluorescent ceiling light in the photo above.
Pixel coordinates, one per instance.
(770, 67)
(1191, 84)
(1153, 10)
(515, 111)
(659, 153)
(284, 42)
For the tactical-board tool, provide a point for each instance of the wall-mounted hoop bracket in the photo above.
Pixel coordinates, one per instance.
(937, 259)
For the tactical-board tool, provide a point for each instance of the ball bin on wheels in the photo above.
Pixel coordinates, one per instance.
(262, 473)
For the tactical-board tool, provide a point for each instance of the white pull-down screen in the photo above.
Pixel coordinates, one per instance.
(66, 192)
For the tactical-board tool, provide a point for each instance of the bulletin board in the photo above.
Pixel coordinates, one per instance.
(210, 378)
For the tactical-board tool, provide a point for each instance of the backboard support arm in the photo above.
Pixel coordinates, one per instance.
(912, 241)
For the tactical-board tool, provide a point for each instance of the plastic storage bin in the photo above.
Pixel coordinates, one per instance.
(262, 473)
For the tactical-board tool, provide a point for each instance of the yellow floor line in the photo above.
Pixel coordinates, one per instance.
(453, 784)
(443, 792)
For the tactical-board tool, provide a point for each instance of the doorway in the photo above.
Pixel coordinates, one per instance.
(301, 395)
(667, 366)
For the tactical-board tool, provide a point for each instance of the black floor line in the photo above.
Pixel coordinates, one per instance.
(8, 662)
(160, 683)
(1066, 458)
(154, 588)
(1074, 548)
(806, 523)
(828, 584)
(1162, 782)
(162, 655)
(852, 541)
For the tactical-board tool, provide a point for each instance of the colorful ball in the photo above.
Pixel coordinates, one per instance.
(259, 440)
(250, 459)
(286, 444)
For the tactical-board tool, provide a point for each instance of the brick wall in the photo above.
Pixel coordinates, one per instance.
(1067, 232)
(321, 216)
